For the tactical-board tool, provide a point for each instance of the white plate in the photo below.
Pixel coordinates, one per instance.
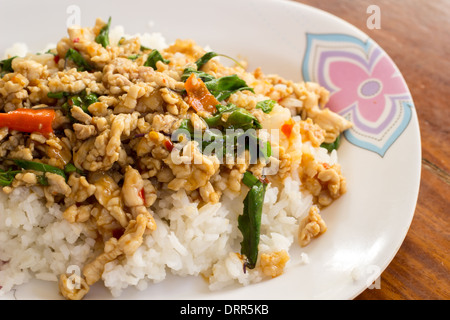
(380, 157)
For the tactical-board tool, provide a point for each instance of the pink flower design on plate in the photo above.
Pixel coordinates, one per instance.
(368, 88)
(365, 87)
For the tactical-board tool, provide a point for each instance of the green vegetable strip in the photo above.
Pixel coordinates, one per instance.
(82, 100)
(37, 166)
(223, 87)
(205, 77)
(69, 168)
(42, 180)
(77, 58)
(208, 56)
(238, 118)
(187, 126)
(103, 36)
(6, 66)
(249, 223)
(216, 119)
(86, 100)
(242, 119)
(7, 177)
(249, 179)
(56, 95)
(134, 57)
(332, 146)
(153, 58)
(204, 59)
(266, 106)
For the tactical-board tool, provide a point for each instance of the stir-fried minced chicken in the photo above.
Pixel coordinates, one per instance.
(103, 142)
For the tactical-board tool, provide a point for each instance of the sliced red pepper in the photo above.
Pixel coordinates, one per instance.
(142, 195)
(29, 120)
(169, 145)
(199, 96)
(286, 128)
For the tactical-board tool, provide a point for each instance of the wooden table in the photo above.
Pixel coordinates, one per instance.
(416, 34)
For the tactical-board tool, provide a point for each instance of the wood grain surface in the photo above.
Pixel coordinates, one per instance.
(416, 35)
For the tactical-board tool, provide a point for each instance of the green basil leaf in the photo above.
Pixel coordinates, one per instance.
(88, 99)
(76, 100)
(242, 119)
(42, 180)
(266, 106)
(6, 66)
(83, 100)
(77, 58)
(186, 125)
(216, 120)
(103, 36)
(7, 177)
(222, 108)
(209, 55)
(134, 57)
(184, 129)
(238, 118)
(332, 146)
(204, 59)
(205, 77)
(154, 57)
(224, 86)
(70, 168)
(221, 87)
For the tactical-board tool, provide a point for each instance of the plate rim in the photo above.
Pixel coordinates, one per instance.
(414, 121)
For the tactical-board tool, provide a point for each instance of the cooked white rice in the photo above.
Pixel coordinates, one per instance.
(38, 243)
